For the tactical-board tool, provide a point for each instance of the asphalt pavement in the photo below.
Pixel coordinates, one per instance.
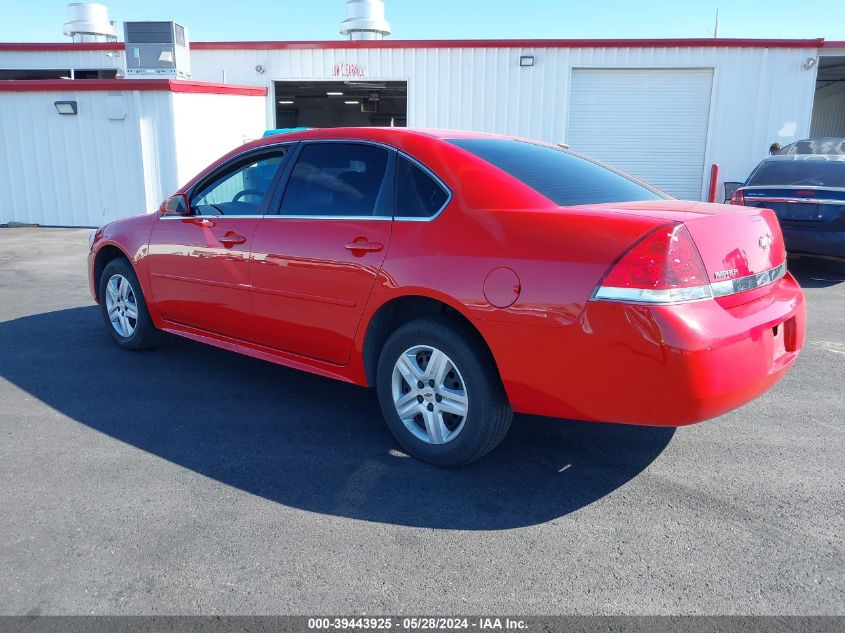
(190, 480)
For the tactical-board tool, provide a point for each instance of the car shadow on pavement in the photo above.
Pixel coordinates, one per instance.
(305, 441)
(812, 272)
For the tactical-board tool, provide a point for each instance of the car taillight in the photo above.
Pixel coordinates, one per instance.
(738, 197)
(663, 267)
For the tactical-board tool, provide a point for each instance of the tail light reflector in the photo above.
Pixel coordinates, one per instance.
(663, 267)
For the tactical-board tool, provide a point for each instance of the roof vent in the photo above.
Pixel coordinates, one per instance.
(365, 20)
(89, 22)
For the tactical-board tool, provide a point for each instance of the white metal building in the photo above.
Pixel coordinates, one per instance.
(664, 110)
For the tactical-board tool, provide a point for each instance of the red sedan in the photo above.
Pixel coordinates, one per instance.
(465, 276)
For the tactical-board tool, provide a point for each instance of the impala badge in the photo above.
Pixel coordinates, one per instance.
(721, 274)
(765, 241)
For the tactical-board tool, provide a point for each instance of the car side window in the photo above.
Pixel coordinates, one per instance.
(338, 179)
(418, 195)
(240, 190)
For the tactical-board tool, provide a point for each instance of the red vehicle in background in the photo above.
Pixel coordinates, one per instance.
(465, 276)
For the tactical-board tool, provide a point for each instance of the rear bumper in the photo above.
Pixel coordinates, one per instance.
(814, 241)
(652, 365)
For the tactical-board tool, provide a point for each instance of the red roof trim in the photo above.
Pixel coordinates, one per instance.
(615, 43)
(171, 85)
(834, 44)
(61, 46)
(358, 44)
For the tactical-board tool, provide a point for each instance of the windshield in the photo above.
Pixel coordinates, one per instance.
(812, 173)
(563, 177)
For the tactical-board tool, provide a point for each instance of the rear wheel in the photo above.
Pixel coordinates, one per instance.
(124, 309)
(440, 392)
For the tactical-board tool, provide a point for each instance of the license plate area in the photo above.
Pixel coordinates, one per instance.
(801, 211)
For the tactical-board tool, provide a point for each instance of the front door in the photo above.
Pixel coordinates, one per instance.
(199, 263)
(314, 260)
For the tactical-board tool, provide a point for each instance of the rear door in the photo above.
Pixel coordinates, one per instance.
(199, 263)
(316, 257)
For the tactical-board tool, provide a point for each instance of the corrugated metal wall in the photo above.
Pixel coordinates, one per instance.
(760, 95)
(829, 111)
(81, 170)
(121, 155)
(62, 59)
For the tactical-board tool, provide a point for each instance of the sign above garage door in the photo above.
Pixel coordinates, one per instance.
(651, 123)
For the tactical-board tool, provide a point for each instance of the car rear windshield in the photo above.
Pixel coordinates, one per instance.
(563, 177)
(810, 172)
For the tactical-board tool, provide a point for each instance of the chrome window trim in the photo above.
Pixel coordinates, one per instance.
(300, 216)
(433, 176)
(211, 217)
(399, 152)
(239, 156)
(347, 140)
(793, 200)
(278, 216)
(813, 187)
(641, 296)
(222, 167)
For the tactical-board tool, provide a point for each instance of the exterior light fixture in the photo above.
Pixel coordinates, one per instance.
(335, 94)
(286, 102)
(526, 60)
(352, 102)
(811, 61)
(65, 107)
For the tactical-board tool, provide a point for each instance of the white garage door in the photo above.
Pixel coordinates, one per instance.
(649, 123)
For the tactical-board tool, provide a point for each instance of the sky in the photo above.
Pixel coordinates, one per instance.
(42, 20)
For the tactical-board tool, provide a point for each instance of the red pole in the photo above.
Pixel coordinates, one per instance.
(714, 181)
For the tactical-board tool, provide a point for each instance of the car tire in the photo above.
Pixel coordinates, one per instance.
(436, 426)
(124, 309)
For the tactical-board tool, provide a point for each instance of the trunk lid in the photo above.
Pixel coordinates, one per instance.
(733, 241)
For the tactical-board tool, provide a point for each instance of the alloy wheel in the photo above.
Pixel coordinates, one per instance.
(429, 394)
(121, 305)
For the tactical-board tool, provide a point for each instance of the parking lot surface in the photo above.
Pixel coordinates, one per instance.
(193, 480)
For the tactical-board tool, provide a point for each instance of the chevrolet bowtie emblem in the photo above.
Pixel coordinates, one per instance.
(765, 241)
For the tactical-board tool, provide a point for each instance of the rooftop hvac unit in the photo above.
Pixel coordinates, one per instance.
(156, 49)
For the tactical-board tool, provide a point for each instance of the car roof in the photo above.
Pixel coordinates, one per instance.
(778, 158)
(826, 145)
(379, 133)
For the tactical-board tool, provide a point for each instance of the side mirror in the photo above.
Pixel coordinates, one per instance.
(177, 204)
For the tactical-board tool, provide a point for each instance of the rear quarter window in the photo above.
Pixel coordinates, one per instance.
(561, 176)
(418, 195)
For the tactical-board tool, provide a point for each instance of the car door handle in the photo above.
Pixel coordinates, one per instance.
(230, 239)
(364, 246)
